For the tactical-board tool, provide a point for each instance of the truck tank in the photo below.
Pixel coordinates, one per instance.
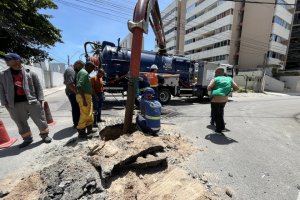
(116, 64)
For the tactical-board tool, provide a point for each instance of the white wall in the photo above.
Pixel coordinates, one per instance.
(274, 85)
(57, 79)
(291, 82)
(48, 79)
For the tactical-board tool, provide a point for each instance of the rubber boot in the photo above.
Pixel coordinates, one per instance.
(90, 129)
(95, 125)
(82, 134)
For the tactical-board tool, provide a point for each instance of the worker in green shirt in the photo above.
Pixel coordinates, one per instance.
(219, 88)
(84, 99)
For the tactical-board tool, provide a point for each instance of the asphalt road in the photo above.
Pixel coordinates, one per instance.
(258, 158)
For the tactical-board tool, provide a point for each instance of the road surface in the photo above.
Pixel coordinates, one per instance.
(258, 158)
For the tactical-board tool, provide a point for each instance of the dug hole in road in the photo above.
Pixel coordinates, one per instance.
(114, 166)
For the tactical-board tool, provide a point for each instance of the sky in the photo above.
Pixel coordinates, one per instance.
(92, 20)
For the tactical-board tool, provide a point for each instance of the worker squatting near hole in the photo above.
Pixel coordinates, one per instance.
(22, 94)
(149, 120)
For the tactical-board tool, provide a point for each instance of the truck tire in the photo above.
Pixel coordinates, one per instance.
(164, 96)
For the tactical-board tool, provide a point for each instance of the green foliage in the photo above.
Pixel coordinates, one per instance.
(26, 31)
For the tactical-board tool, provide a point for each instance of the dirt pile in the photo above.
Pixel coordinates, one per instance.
(133, 166)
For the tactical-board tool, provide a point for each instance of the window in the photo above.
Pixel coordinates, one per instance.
(281, 22)
(214, 32)
(169, 13)
(171, 30)
(276, 55)
(220, 16)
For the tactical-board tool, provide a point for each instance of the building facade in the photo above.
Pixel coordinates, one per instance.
(238, 33)
(173, 18)
(127, 42)
(293, 60)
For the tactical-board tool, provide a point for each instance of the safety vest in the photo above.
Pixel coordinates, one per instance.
(152, 113)
(152, 79)
(223, 85)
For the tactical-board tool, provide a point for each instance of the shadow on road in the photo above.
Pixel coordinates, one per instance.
(64, 133)
(14, 150)
(220, 139)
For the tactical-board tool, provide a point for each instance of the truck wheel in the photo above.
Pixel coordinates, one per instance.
(164, 96)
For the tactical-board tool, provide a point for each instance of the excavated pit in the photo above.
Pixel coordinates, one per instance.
(114, 132)
(116, 167)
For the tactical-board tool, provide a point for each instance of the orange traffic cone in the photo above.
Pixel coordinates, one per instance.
(5, 140)
(48, 114)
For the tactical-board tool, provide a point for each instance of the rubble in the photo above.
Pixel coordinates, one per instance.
(116, 167)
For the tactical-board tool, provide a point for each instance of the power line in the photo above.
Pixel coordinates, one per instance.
(95, 11)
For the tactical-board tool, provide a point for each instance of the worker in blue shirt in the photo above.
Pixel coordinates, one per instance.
(149, 120)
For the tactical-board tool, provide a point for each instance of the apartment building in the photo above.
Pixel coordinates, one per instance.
(238, 33)
(293, 60)
(127, 42)
(173, 18)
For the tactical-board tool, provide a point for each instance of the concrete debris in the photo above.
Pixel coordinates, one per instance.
(120, 153)
(130, 166)
(70, 179)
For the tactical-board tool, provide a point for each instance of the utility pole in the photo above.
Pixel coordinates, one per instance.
(68, 60)
(262, 88)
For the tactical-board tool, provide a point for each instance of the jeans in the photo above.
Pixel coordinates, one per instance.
(217, 110)
(75, 108)
(97, 107)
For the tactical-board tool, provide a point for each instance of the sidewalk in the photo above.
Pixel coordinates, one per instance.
(283, 94)
(47, 92)
(50, 91)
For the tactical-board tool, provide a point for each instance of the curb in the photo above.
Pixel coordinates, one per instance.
(58, 90)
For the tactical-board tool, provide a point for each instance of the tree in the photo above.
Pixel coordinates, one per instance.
(24, 30)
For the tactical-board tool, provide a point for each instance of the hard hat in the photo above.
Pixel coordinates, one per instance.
(149, 91)
(154, 67)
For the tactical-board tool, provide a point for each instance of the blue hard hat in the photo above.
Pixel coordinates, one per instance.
(12, 56)
(149, 91)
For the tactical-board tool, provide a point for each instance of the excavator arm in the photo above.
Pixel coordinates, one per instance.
(138, 26)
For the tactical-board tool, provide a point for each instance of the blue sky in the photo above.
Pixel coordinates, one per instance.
(80, 26)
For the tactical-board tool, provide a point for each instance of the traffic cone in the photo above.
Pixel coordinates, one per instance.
(48, 114)
(5, 140)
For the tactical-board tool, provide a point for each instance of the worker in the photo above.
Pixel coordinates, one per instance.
(143, 84)
(153, 79)
(98, 96)
(70, 82)
(149, 120)
(219, 88)
(84, 99)
(22, 94)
